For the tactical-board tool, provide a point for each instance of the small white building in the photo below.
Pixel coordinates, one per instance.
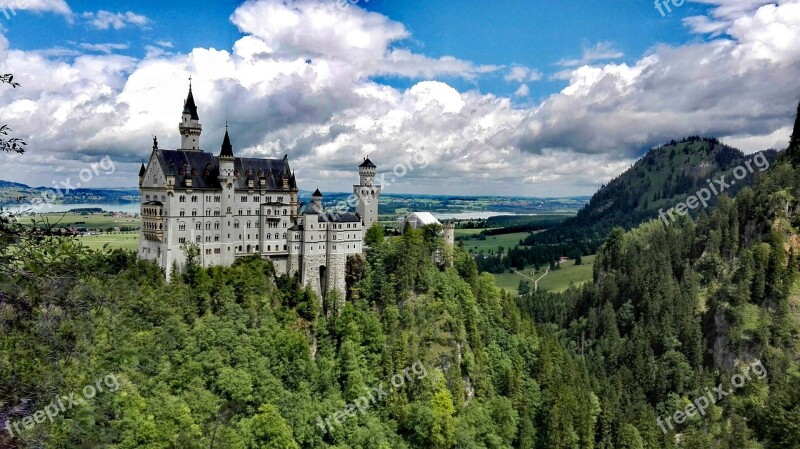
(419, 219)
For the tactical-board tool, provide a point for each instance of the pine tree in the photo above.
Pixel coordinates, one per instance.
(793, 153)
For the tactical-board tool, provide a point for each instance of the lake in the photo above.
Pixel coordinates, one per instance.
(131, 208)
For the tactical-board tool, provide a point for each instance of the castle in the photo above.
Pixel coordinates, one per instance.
(232, 206)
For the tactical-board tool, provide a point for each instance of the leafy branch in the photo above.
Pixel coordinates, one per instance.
(14, 144)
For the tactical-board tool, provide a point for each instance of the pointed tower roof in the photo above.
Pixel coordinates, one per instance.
(141, 170)
(367, 164)
(227, 149)
(189, 107)
(317, 193)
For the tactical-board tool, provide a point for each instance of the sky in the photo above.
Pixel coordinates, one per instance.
(512, 97)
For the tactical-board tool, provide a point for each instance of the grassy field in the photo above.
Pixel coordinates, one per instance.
(556, 281)
(128, 241)
(90, 221)
(507, 241)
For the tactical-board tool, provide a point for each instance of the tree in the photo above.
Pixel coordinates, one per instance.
(793, 152)
(270, 431)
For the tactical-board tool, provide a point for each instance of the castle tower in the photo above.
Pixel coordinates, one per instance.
(367, 193)
(449, 231)
(190, 127)
(226, 181)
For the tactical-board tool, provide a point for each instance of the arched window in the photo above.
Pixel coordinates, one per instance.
(182, 226)
(182, 198)
(182, 213)
(249, 224)
(198, 225)
(269, 211)
(197, 239)
(194, 212)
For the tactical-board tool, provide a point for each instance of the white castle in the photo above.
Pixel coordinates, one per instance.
(231, 207)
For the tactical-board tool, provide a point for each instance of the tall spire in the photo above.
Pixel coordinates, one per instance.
(227, 149)
(189, 126)
(189, 107)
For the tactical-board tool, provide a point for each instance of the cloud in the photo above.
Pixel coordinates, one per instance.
(106, 48)
(523, 91)
(103, 20)
(602, 51)
(301, 80)
(10, 7)
(521, 74)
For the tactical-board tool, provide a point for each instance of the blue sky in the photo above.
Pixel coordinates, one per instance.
(532, 33)
(537, 98)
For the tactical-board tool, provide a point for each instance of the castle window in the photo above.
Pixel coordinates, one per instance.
(217, 198)
(208, 225)
(182, 199)
(269, 247)
(208, 240)
(284, 235)
(280, 199)
(208, 198)
(182, 213)
(244, 199)
(249, 225)
(216, 212)
(216, 238)
(198, 225)
(240, 212)
(256, 247)
(269, 211)
(208, 212)
(285, 212)
(284, 247)
(197, 239)
(216, 225)
(182, 240)
(269, 236)
(181, 226)
(194, 198)
(229, 210)
(248, 211)
(236, 224)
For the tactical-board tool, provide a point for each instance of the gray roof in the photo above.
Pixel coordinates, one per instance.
(346, 217)
(203, 169)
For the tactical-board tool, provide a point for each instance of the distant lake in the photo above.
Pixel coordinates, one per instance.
(131, 208)
(477, 215)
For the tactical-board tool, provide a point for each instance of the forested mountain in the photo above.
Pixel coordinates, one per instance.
(662, 178)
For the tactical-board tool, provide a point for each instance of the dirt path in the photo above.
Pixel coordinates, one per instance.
(535, 281)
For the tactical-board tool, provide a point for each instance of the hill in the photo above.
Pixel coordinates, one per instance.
(660, 180)
(664, 177)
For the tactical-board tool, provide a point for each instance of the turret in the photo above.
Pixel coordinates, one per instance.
(142, 170)
(226, 157)
(316, 200)
(189, 126)
(367, 193)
